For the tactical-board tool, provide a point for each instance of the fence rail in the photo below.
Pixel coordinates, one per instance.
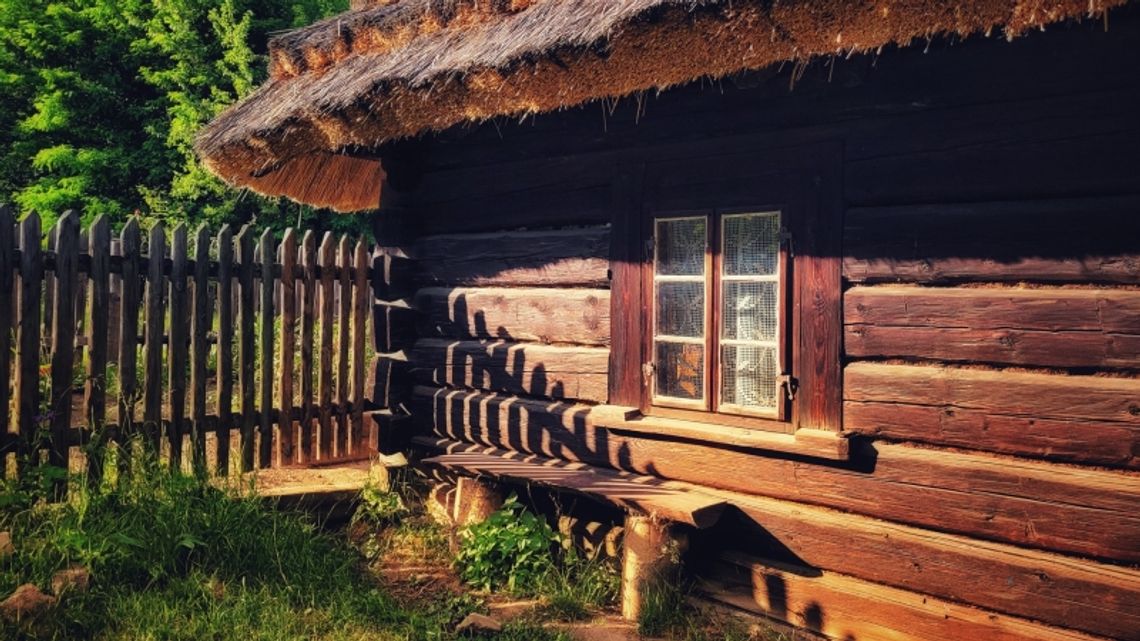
(181, 341)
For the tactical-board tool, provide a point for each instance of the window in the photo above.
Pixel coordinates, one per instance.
(719, 334)
(727, 289)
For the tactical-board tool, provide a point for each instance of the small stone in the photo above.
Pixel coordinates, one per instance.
(74, 579)
(26, 602)
(6, 547)
(478, 623)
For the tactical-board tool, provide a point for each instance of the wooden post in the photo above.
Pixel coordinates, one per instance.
(99, 307)
(129, 243)
(244, 247)
(176, 350)
(344, 325)
(325, 379)
(155, 312)
(28, 343)
(7, 282)
(308, 299)
(63, 340)
(651, 556)
(475, 501)
(266, 252)
(285, 427)
(359, 358)
(200, 317)
(225, 347)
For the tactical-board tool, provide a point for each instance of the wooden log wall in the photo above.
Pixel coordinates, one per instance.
(211, 357)
(991, 312)
(524, 313)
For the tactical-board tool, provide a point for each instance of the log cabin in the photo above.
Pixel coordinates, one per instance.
(840, 296)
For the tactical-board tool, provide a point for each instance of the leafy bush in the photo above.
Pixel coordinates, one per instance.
(511, 550)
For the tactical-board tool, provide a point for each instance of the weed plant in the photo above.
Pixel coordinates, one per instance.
(176, 558)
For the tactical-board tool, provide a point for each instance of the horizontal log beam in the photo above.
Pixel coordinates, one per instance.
(1042, 327)
(1037, 395)
(563, 258)
(844, 607)
(995, 241)
(519, 368)
(573, 316)
(1033, 504)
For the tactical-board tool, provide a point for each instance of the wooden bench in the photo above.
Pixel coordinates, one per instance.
(651, 545)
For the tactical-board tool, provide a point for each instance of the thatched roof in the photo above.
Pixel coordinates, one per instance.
(392, 69)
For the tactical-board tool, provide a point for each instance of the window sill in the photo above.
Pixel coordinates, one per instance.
(804, 442)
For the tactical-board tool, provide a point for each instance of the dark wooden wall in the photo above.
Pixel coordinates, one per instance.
(991, 261)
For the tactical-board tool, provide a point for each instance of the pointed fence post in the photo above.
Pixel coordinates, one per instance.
(66, 235)
(98, 330)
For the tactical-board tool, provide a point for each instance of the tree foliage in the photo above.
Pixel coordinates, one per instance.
(100, 101)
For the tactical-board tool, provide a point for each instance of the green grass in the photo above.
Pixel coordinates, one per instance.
(173, 558)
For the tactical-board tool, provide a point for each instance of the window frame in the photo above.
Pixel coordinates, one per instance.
(804, 181)
(711, 409)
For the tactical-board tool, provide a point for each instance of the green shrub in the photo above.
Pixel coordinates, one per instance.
(512, 549)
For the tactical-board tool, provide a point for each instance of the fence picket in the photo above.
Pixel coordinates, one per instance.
(246, 343)
(7, 311)
(177, 347)
(344, 316)
(129, 246)
(360, 308)
(66, 235)
(28, 355)
(325, 382)
(255, 278)
(288, 344)
(98, 328)
(225, 347)
(266, 253)
(309, 260)
(155, 313)
(199, 348)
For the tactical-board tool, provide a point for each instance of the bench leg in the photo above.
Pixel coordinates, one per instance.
(475, 501)
(651, 553)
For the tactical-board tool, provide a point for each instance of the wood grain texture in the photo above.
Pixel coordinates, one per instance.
(1096, 598)
(177, 359)
(533, 370)
(362, 297)
(1022, 241)
(7, 320)
(1084, 328)
(325, 382)
(154, 315)
(577, 257)
(343, 328)
(844, 607)
(63, 333)
(1032, 504)
(201, 318)
(572, 316)
(28, 340)
(128, 331)
(394, 325)
(627, 303)
(247, 343)
(308, 318)
(225, 346)
(98, 314)
(267, 251)
(286, 430)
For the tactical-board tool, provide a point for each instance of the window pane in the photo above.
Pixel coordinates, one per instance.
(748, 376)
(680, 370)
(750, 311)
(751, 244)
(681, 309)
(680, 247)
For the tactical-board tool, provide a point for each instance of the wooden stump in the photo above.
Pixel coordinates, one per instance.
(651, 555)
(475, 501)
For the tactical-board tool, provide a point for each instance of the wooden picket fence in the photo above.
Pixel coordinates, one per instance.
(229, 331)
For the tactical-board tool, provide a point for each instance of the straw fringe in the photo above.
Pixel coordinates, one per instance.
(390, 70)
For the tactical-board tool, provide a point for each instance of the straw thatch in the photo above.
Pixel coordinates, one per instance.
(392, 69)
